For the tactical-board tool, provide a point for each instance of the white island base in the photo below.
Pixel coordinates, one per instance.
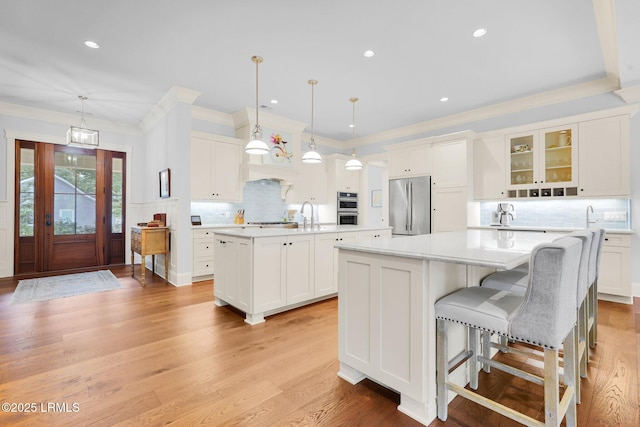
(257, 318)
(386, 329)
(386, 295)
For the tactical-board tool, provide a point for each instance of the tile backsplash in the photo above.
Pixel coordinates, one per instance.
(262, 202)
(609, 213)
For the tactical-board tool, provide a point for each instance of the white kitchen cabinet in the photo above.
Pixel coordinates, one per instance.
(410, 161)
(215, 169)
(373, 234)
(489, 169)
(346, 180)
(449, 189)
(232, 284)
(283, 271)
(615, 266)
(543, 163)
(449, 209)
(326, 256)
(203, 253)
(269, 274)
(449, 164)
(604, 157)
(309, 185)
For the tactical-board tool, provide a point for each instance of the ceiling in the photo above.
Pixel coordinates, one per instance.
(424, 51)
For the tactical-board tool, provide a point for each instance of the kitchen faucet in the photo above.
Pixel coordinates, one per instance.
(589, 221)
(304, 226)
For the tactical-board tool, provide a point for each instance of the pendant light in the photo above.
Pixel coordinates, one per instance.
(312, 156)
(81, 135)
(256, 145)
(353, 164)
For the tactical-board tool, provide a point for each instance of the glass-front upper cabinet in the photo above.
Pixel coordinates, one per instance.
(521, 162)
(543, 162)
(560, 156)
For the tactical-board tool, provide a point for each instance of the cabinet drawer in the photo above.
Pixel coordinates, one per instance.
(617, 240)
(203, 234)
(203, 247)
(202, 267)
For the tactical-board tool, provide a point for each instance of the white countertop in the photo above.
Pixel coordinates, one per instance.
(215, 226)
(549, 229)
(254, 232)
(501, 249)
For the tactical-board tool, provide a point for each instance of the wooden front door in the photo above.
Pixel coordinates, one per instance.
(69, 207)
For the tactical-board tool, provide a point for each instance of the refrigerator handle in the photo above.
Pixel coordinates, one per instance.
(406, 211)
(411, 205)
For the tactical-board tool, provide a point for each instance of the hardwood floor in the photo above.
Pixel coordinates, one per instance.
(162, 355)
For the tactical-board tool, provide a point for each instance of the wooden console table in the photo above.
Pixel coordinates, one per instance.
(150, 241)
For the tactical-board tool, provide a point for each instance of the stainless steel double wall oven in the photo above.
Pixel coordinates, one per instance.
(347, 208)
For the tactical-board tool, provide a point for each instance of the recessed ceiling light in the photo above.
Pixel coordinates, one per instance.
(91, 44)
(369, 53)
(444, 99)
(352, 125)
(274, 101)
(479, 32)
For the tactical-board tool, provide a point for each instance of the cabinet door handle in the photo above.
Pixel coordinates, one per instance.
(290, 243)
(284, 244)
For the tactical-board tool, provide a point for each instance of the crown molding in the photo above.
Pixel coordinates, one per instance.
(630, 95)
(214, 137)
(578, 91)
(630, 110)
(48, 116)
(244, 117)
(175, 95)
(213, 116)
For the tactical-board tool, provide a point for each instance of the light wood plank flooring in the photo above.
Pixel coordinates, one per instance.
(162, 355)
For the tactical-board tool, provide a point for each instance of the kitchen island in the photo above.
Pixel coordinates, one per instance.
(386, 292)
(263, 271)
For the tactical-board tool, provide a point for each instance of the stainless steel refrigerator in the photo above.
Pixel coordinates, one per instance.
(410, 205)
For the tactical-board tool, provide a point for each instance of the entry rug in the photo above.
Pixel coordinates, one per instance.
(48, 288)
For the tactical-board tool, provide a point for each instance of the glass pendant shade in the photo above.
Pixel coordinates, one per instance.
(256, 146)
(312, 156)
(353, 164)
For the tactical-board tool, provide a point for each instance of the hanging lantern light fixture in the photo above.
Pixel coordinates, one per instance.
(82, 136)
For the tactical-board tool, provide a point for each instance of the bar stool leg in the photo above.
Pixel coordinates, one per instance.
(473, 362)
(570, 380)
(486, 350)
(442, 370)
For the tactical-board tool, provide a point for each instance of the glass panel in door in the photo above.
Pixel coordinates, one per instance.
(558, 162)
(521, 153)
(27, 192)
(117, 181)
(74, 203)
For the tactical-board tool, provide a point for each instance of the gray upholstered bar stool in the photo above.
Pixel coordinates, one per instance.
(545, 316)
(515, 281)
